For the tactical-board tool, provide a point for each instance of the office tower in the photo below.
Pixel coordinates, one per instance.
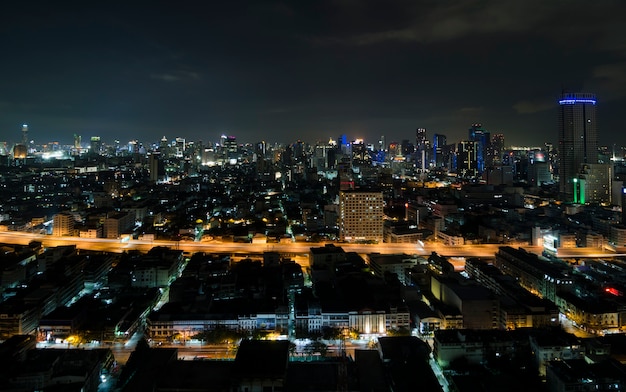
(467, 159)
(420, 138)
(321, 156)
(360, 154)
(77, 140)
(394, 149)
(95, 145)
(361, 215)
(407, 148)
(420, 146)
(25, 134)
(299, 150)
(208, 157)
(153, 166)
(20, 150)
(382, 146)
(497, 148)
(230, 148)
(179, 146)
(578, 138)
(439, 143)
(483, 145)
(261, 149)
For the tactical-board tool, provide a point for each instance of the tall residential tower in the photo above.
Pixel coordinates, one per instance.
(578, 139)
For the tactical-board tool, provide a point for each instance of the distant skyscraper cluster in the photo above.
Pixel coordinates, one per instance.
(582, 170)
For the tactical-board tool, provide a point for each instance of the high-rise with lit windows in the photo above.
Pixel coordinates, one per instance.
(578, 139)
(361, 216)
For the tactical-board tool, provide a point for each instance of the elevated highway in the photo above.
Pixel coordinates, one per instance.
(295, 248)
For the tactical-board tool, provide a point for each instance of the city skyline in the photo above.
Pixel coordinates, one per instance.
(281, 71)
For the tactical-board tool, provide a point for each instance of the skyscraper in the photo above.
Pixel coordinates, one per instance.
(483, 145)
(578, 138)
(25, 134)
(95, 145)
(420, 147)
(439, 143)
(467, 159)
(497, 148)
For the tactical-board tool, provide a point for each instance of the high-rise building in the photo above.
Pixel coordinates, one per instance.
(361, 215)
(20, 151)
(467, 159)
(360, 153)
(420, 147)
(439, 143)
(95, 145)
(63, 224)
(230, 146)
(497, 148)
(578, 138)
(25, 134)
(153, 166)
(483, 146)
(407, 148)
(77, 141)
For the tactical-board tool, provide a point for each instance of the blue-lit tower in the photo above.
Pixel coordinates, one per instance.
(578, 139)
(483, 144)
(439, 143)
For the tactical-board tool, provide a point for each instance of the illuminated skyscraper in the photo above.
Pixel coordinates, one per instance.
(439, 143)
(25, 134)
(483, 145)
(95, 145)
(420, 147)
(467, 159)
(230, 144)
(578, 138)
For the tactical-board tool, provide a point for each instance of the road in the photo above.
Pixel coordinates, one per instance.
(295, 248)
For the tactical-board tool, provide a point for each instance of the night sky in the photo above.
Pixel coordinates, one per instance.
(309, 70)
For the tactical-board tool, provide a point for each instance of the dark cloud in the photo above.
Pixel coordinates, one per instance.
(176, 76)
(528, 107)
(308, 70)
